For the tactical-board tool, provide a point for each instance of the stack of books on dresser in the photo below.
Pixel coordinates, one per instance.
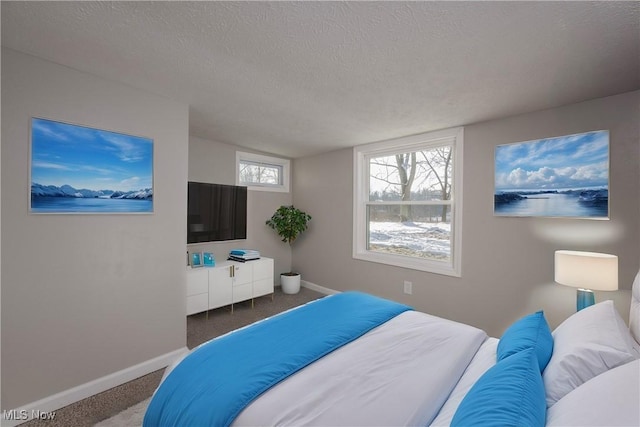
(243, 255)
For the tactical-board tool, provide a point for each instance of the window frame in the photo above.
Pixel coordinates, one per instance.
(283, 164)
(361, 155)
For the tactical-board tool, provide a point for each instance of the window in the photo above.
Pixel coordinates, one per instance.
(262, 173)
(408, 202)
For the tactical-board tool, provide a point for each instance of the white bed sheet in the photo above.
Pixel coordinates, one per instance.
(397, 374)
(484, 359)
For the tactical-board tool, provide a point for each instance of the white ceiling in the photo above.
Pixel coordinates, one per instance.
(299, 78)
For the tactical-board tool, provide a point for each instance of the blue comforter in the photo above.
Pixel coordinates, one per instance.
(215, 382)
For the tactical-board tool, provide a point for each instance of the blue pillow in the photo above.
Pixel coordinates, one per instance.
(511, 393)
(531, 331)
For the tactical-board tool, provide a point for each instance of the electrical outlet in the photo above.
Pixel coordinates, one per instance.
(408, 287)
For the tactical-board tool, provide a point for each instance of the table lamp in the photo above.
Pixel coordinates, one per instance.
(587, 271)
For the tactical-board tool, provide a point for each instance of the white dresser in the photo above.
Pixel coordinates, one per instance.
(227, 283)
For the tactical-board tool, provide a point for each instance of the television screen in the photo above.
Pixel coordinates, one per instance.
(216, 212)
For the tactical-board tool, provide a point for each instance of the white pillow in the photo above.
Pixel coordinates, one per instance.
(634, 313)
(610, 399)
(588, 343)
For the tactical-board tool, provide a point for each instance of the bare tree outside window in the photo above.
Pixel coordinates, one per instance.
(259, 174)
(409, 203)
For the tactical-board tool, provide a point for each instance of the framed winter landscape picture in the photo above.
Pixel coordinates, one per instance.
(566, 176)
(78, 169)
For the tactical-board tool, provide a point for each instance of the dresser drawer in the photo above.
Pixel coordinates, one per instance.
(242, 273)
(198, 282)
(242, 292)
(263, 269)
(263, 287)
(197, 303)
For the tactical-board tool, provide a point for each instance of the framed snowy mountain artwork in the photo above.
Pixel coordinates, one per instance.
(566, 176)
(78, 169)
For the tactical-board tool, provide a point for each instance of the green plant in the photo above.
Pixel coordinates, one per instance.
(289, 222)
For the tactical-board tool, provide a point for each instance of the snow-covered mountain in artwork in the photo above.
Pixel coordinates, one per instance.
(39, 190)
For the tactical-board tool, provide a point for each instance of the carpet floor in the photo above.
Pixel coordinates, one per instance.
(130, 417)
(124, 406)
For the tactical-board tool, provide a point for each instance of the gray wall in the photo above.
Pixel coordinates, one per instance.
(507, 263)
(84, 296)
(216, 163)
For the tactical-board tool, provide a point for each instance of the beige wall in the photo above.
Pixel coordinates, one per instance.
(216, 163)
(507, 264)
(84, 296)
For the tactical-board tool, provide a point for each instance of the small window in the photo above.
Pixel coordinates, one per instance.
(262, 173)
(407, 204)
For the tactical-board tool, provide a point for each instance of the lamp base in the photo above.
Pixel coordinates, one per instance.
(585, 299)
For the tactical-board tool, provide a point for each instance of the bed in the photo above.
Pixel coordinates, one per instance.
(352, 359)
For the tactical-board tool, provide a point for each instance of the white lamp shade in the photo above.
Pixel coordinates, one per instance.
(588, 270)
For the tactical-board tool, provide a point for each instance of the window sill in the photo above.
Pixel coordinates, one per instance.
(435, 267)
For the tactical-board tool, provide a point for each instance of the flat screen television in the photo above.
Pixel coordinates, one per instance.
(216, 212)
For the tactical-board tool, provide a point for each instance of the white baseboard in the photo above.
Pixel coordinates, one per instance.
(45, 407)
(318, 288)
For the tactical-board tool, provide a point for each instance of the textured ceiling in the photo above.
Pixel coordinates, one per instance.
(299, 78)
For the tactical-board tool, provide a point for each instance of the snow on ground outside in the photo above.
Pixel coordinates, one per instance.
(426, 239)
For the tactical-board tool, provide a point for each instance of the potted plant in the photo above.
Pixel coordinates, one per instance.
(289, 222)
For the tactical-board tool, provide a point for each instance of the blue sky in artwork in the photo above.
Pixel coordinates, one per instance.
(88, 158)
(574, 161)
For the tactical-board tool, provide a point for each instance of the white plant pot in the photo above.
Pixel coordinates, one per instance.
(290, 284)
